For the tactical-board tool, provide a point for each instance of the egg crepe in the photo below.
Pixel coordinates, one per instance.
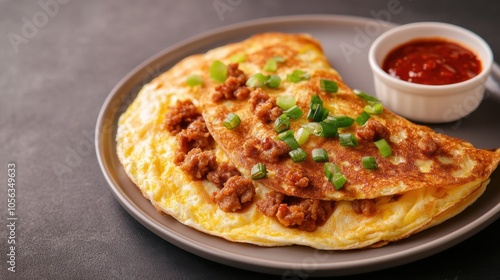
(455, 163)
(149, 153)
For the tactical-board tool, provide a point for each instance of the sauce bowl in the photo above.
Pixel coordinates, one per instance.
(429, 103)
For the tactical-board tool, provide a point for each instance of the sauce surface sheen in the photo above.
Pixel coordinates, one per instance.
(432, 61)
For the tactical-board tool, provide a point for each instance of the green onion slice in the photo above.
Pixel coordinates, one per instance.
(363, 118)
(218, 71)
(328, 130)
(383, 147)
(368, 98)
(369, 162)
(330, 169)
(232, 121)
(294, 112)
(348, 139)
(313, 128)
(328, 85)
(317, 112)
(289, 139)
(319, 155)
(279, 59)
(297, 76)
(334, 175)
(340, 121)
(271, 65)
(282, 123)
(257, 80)
(338, 180)
(374, 109)
(258, 171)
(320, 113)
(273, 81)
(285, 102)
(302, 135)
(374, 106)
(194, 80)
(298, 155)
(238, 58)
(315, 100)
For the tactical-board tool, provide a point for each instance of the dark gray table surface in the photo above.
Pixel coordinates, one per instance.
(58, 62)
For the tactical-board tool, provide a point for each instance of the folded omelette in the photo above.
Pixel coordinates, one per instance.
(262, 142)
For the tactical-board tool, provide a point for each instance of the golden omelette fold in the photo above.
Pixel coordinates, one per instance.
(451, 181)
(455, 162)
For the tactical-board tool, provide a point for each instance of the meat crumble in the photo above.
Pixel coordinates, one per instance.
(196, 135)
(223, 172)
(263, 106)
(267, 150)
(296, 177)
(428, 145)
(180, 116)
(233, 87)
(199, 163)
(364, 206)
(302, 213)
(236, 193)
(373, 130)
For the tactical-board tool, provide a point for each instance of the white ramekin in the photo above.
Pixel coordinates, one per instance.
(429, 103)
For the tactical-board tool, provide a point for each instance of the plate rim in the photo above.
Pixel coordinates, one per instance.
(248, 262)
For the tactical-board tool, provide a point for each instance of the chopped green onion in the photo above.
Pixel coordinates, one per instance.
(297, 76)
(288, 138)
(315, 100)
(329, 85)
(218, 71)
(313, 128)
(257, 80)
(279, 59)
(338, 180)
(374, 106)
(282, 123)
(238, 58)
(258, 171)
(348, 139)
(285, 102)
(366, 97)
(313, 106)
(320, 113)
(271, 65)
(194, 80)
(363, 118)
(298, 155)
(330, 169)
(383, 147)
(317, 112)
(319, 155)
(369, 162)
(232, 121)
(273, 81)
(334, 175)
(340, 121)
(302, 135)
(374, 109)
(328, 129)
(294, 113)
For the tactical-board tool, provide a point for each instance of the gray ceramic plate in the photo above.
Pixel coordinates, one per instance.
(346, 41)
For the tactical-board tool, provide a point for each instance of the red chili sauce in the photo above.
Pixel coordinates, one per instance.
(432, 62)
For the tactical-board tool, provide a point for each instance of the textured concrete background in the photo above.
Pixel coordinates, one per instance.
(59, 59)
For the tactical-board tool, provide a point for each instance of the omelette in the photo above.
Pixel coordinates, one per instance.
(262, 142)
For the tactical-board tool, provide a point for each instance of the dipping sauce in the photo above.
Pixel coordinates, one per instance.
(432, 61)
